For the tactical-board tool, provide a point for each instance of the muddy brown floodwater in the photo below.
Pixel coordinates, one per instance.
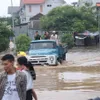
(80, 82)
(76, 79)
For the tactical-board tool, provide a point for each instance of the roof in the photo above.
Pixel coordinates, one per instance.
(33, 1)
(98, 4)
(36, 17)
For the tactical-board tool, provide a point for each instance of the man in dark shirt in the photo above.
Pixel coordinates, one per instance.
(37, 36)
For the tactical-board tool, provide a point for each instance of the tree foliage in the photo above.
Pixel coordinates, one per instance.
(69, 18)
(67, 39)
(5, 33)
(22, 42)
(6, 20)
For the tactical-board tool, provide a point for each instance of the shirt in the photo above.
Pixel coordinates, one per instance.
(29, 80)
(10, 92)
(11, 45)
(37, 37)
(20, 81)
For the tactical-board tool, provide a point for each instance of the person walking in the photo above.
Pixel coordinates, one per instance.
(27, 68)
(12, 82)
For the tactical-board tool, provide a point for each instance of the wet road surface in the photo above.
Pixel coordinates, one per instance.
(83, 56)
(71, 82)
(77, 79)
(70, 78)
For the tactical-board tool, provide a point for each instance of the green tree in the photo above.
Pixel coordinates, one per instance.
(7, 20)
(5, 33)
(67, 39)
(22, 42)
(69, 18)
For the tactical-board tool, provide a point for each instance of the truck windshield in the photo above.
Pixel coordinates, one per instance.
(42, 45)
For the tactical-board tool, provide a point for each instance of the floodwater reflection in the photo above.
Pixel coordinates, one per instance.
(76, 76)
(69, 78)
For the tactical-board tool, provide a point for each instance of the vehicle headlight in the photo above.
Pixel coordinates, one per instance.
(51, 58)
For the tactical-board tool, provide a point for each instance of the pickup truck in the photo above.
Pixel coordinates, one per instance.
(45, 52)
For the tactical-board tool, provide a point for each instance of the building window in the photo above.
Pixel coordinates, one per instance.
(41, 8)
(30, 8)
(49, 5)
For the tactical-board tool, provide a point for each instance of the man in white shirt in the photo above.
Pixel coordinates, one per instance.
(12, 83)
(54, 36)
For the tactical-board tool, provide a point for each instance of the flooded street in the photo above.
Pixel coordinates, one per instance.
(77, 79)
(70, 78)
(70, 82)
(84, 56)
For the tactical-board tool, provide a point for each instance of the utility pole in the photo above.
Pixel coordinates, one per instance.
(13, 27)
(12, 16)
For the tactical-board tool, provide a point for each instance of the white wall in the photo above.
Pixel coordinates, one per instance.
(27, 14)
(53, 3)
(35, 9)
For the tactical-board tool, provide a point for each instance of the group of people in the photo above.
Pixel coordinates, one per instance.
(17, 83)
(53, 36)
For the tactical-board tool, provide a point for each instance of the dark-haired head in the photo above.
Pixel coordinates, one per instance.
(22, 60)
(8, 62)
(8, 57)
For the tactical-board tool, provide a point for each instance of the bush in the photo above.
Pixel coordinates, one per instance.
(4, 44)
(67, 39)
(22, 42)
(5, 33)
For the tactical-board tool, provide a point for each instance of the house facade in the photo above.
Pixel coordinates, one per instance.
(29, 8)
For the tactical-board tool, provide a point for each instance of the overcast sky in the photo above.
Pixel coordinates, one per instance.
(5, 3)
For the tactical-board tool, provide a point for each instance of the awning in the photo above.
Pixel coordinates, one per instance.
(81, 38)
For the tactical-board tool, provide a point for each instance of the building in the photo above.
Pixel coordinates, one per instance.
(29, 8)
(35, 22)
